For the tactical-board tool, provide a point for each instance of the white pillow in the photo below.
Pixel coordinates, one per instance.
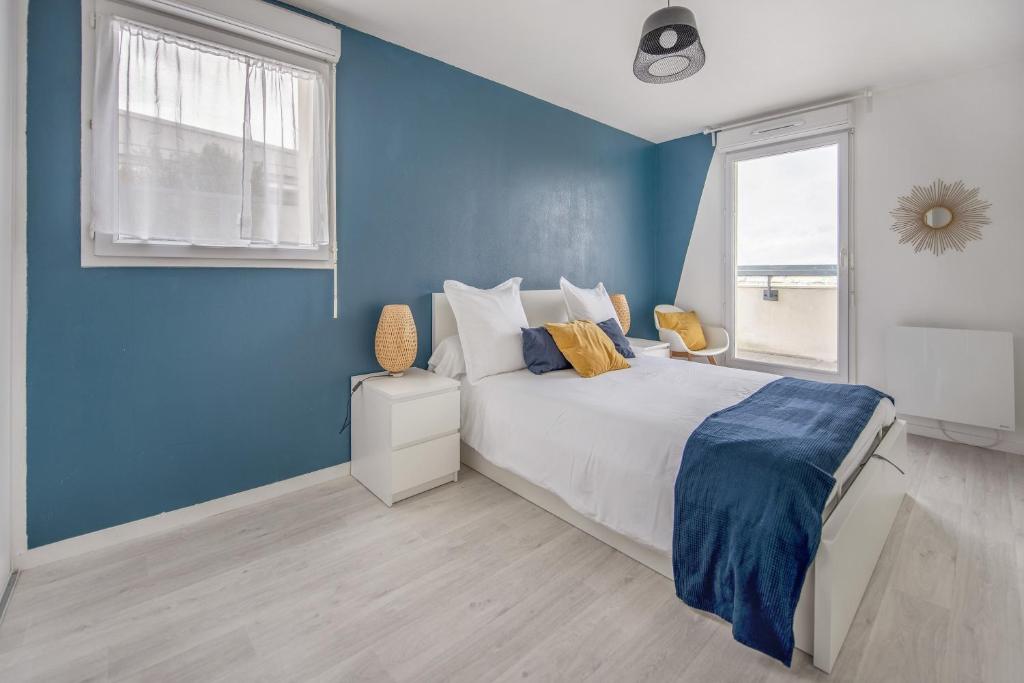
(587, 304)
(447, 359)
(490, 325)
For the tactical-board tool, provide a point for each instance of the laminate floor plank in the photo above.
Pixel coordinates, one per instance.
(987, 608)
(1017, 505)
(919, 451)
(202, 590)
(1016, 465)
(927, 566)
(627, 594)
(908, 641)
(211, 660)
(672, 638)
(307, 636)
(268, 589)
(470, 582)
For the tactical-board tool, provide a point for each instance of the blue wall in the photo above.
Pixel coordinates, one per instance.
(682, 169)
(154, 389)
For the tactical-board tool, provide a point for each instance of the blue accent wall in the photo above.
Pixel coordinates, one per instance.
(153, 389)
(682, 169)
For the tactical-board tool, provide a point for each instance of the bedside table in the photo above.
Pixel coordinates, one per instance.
(405, 433)
(649, 347)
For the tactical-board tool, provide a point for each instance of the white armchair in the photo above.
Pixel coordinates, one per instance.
(717, 338)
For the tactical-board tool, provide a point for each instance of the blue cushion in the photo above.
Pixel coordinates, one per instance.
(614, 332)
(540, 352)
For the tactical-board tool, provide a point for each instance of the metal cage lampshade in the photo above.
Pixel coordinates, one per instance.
(670, 48)
(622, 311)
(396, 342)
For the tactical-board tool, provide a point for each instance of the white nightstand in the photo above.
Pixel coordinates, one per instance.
(405, 433)
(649, 347)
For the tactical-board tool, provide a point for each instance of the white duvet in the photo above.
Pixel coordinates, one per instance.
(610, 446)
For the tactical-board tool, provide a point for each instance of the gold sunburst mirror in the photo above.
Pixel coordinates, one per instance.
(940, 216)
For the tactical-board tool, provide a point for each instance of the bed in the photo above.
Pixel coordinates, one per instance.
(603, 454)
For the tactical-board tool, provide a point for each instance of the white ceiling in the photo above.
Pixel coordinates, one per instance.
(761, 55)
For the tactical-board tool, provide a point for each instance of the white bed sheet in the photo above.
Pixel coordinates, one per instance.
(610, 446)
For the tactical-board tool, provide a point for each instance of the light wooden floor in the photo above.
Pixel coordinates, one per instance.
(470, 582)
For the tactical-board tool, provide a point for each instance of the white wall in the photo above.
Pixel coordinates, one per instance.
(10, 20)
(968, 127)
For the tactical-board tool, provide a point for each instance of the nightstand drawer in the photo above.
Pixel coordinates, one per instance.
(424, 418)
(649, 347)
(424, 462)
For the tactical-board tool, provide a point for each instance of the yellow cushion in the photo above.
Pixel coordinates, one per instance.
(687, 324)
(586, 347)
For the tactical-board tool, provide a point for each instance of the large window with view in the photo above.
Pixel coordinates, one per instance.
(787, 292)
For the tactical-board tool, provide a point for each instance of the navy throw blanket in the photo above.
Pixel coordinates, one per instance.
(749, 496)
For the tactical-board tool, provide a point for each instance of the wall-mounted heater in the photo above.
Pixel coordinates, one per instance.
(963, 376)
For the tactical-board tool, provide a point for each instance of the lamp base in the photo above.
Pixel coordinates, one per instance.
(396, 374)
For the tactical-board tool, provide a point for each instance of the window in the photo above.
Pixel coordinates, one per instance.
(209, 139)
(787, 300)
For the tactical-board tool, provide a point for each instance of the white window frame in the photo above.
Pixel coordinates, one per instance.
(843, 291)
(248, 25)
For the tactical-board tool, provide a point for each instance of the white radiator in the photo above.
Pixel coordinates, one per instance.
(963, 376)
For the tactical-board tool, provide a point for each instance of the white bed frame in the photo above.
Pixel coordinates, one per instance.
(852, 537)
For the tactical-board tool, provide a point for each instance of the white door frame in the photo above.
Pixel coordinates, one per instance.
(844, 339)
(19, 298)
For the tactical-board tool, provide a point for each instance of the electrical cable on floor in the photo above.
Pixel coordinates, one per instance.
(348, 409)
(999, 437)
(882, 457)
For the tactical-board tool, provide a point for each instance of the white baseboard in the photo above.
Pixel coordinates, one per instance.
(174, 519)
(975, 437)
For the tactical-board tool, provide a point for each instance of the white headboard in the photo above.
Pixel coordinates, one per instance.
(541, 306)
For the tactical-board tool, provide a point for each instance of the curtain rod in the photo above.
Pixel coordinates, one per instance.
(714, 130)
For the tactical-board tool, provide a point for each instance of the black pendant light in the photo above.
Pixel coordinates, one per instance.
(670, 48)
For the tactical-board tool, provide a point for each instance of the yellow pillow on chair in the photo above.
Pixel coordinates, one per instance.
(587, 348)
(687, 324)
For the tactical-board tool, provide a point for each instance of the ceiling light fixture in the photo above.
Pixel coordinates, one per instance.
(670, 48)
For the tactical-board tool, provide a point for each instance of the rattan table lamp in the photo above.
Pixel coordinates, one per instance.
(621, 310)
(395, 343)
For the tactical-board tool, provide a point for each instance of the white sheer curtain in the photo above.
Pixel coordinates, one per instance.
(199, 144)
